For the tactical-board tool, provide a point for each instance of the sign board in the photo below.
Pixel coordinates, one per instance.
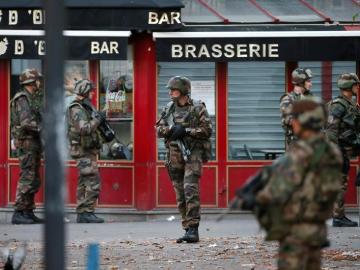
(95, 19)
(204, 91)
(33, 47)
(258, 49)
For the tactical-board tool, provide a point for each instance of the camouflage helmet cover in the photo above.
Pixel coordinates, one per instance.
(300, 75)
(29, 75)
(82, 87)
(310, 112)
(180, 83)
(347, 80)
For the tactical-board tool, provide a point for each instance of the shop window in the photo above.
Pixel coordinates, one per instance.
(17, 67)
(254, 127)
(116, 100)
(202, 76)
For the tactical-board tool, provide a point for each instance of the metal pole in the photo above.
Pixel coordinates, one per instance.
(54, 135)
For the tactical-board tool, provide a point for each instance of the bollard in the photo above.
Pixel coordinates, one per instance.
(93, 257)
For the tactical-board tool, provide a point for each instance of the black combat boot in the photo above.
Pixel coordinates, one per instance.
(37, 220)
(87, 217)
(19, 217)
(344, 222)
(192, 235)
(182, 238)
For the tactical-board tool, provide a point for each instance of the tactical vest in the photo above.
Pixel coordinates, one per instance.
(349, 130)
(35, 104)
(191, 121)
(77, 141)
(310, 202)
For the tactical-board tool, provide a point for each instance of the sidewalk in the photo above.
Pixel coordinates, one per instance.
(229, 244)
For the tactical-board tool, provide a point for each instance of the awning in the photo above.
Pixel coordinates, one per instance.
(96, 14)
(259, 44)
(30, 44)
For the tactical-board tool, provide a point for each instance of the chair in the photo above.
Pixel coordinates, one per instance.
(248, 152)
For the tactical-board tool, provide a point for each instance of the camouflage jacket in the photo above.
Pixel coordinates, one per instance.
(300, 190)
(26, 114)
(286, 102)
(82, 130)
(193, 116)
(343, 125)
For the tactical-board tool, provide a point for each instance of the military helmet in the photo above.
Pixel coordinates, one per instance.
(29, 75)
(347, 80)
(82, 87)
(300, 75)
(310, 112)
(180, 83)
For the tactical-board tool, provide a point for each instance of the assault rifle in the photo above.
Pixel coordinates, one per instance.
(245, 196)
(185, 151)
(106, 131)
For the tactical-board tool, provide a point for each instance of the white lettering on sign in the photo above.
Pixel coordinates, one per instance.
(164, 18)
(105, 47)
(13, 17)
(1, 15)
(41, 47)
(252, 50)
(3, 45)
(19, 47)
(274, 50)
(176, 51)
(37, 16)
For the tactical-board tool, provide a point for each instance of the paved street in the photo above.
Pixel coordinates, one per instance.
(229, 244)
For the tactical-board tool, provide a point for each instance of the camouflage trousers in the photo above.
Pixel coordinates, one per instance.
(339, 205)
(185, 180)
(29, 154)
(297, 255)
(88, 187)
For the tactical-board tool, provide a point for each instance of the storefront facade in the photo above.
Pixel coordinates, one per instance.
(239, 71)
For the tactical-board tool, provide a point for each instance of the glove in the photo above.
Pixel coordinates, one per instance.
(177, 132)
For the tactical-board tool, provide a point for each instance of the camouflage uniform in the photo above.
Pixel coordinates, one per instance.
(185, 170)
(84, 144)
(343, 128)
(299, 76)
(286, 102)
(295, 195)
(305, 182)
(26, 110)
(185, 175)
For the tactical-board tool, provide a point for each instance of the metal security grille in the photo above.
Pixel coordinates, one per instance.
(196, 72)
(254, 126)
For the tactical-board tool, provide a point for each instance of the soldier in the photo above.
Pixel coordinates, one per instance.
(301, 78)
(84, 144)
(186, 127)
(343, 128)
(293, 197)
(26, 108)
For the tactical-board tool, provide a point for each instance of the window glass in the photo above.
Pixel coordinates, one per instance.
(75, 71)
(254, 125)
(17, 67)
(116, 100)
(203, 83)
